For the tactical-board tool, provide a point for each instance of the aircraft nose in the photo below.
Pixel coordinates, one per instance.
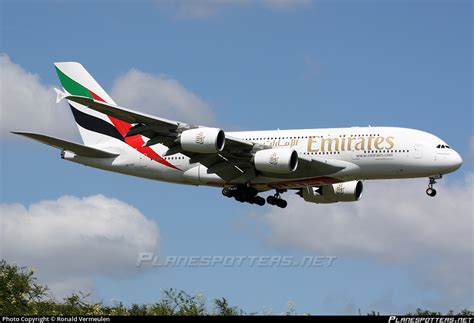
(456, 160)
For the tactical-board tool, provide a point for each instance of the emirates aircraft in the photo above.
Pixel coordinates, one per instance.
(320, 165)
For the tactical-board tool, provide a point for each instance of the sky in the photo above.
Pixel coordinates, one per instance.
(242, 64)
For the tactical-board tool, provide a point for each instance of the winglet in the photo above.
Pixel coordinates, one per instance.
(60, 95)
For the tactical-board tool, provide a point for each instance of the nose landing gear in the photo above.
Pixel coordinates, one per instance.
(430, 190)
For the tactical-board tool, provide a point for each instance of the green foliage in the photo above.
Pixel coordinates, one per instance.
(178, 303)
(20, 294)
(421, 312)
(224, 309)
(19, 291)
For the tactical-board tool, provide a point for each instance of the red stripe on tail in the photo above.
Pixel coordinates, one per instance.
(135, 141)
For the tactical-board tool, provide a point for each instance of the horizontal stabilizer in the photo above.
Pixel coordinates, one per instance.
(78, 149)
(60, 95)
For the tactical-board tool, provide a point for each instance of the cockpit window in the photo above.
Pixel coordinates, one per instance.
(443, 146)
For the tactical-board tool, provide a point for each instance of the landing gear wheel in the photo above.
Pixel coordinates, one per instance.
(277, 200)
(227, 192)
(259, 200)
(281, 203)
(272, 200)
(239, 198)
(431, 192)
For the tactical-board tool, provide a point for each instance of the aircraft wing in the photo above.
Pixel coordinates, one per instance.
(78, 149)
(233, 162)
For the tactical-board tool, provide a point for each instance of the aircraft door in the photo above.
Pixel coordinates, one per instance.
(418, 151)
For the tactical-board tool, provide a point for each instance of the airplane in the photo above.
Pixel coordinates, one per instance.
(320, 165)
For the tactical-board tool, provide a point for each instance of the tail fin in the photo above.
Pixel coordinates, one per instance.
(94, 127)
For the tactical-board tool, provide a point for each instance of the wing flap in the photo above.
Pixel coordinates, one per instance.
(79, 149)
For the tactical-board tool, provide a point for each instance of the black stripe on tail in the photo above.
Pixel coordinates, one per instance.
(95, 124)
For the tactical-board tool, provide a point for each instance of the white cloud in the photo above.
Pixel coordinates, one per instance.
(70, 239)
(395, 223)
(160, 96)
(27, 104)
(207, 8)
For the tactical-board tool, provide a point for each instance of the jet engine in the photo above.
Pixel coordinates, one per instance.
(340, 192)
(203, 140)
(278, 161)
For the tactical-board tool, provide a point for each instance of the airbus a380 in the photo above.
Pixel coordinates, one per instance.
(320, 165)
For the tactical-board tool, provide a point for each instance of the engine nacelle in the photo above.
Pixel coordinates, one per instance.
(340, 192)
(203, 140)
(279, 161)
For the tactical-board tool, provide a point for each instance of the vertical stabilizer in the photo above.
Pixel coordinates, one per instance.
(94, 127)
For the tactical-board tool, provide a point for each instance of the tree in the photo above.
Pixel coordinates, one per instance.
(224, 309)
(19, 291)
(20, 294)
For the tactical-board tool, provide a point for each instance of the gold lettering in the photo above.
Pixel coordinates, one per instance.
(332, 144)
(369, 145)
(310, 145)
(361, 144)
(390, 143)
(343, 144)
(349, 143)
(378, 142)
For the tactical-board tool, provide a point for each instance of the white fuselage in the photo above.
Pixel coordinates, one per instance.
(366, 152)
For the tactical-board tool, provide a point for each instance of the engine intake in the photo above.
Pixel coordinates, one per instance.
(203, 140)
(279, 161)
(340, 192)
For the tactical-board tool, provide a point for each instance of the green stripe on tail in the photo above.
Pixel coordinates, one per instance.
(72, 86)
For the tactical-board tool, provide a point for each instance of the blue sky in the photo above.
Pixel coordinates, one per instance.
(255, 65)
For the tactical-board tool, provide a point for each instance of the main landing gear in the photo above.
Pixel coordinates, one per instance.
(277, 200)
(244, 193)
(430, 190)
